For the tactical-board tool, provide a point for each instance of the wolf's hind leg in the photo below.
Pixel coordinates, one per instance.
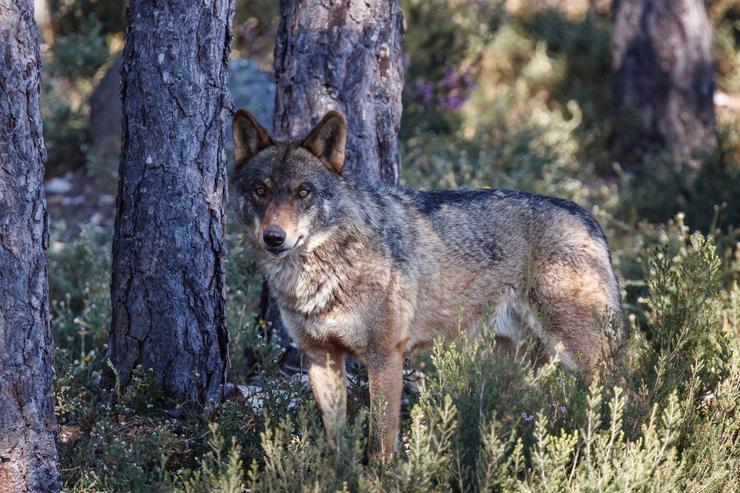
(575, 322)
(571, 294)
(385, 374)
(505, 346)
(326, 375)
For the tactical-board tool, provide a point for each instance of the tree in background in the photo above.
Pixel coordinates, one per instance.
(663, 78)
(28, 457)
(348, 57)
(345, 56)
(168, 251)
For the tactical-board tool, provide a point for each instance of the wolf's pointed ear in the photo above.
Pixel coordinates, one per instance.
(249, 137)
(327, 140)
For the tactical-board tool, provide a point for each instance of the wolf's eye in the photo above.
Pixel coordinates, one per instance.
(260, 191)
(303, 192)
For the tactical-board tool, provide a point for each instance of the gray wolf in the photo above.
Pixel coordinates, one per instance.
(378, 271)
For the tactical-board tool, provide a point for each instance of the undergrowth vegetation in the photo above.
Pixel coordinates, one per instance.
(663, 414)
(511, 97)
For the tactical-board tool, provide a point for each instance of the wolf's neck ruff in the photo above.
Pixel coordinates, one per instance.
(313, 282)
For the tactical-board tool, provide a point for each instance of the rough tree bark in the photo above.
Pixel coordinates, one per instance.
(168, 250)
(27, 424)
(663, 76)
(344, 55)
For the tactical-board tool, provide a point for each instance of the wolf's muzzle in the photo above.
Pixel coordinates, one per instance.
(274, 237)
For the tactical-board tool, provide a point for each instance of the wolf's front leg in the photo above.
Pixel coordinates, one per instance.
(327, 378)
(385, 376)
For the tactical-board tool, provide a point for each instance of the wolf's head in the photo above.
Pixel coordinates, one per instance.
(288, 190)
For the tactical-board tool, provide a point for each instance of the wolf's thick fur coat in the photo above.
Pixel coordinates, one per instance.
(378, 271)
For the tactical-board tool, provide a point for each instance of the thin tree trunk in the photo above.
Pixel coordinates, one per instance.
(344, 55)
(168, 250)
(663, 77)
(28, 458)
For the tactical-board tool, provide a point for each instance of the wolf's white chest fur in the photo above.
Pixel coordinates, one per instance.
(312, 300)
(307, 292)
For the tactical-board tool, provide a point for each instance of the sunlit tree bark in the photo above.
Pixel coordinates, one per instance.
(168, 251)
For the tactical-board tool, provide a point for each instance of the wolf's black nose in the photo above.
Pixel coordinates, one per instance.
(274, 237)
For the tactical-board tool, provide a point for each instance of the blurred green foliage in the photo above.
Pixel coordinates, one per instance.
(442, 59)
(530, 83)
(64, 128)
(79, 49)
(255, 26)
(71, 17)
(726, 17)
(79, 54)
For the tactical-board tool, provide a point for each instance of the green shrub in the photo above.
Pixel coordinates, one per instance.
(725, 15)
(661, 188)
(69, 17)
(216, 473)
(64, 127)
(686, 338)
(79, 54)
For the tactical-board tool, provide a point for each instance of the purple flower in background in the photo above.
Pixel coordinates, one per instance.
(558, 410)
(450, 79)
(458, 88)
(451, 92)
(424, 91)
(468, 80)
(528, 418)
(452, 102)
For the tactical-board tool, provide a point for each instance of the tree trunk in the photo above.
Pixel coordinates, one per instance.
(168, 250)
(663, 77)
(28, 458)
(344, 55)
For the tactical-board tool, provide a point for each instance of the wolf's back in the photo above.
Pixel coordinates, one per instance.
(488, 208)
(513, 236)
